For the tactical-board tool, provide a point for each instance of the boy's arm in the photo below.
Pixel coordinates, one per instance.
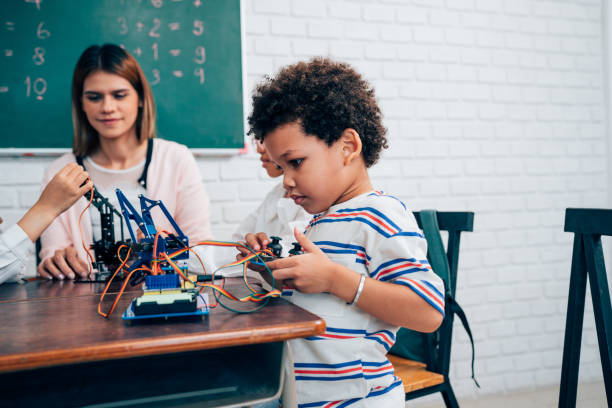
(393, 303)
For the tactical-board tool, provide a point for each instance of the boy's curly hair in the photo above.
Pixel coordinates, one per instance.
(325, 97)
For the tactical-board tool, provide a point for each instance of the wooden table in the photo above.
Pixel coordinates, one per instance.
(54, 343)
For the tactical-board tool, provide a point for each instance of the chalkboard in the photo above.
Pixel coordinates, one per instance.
(189, 50)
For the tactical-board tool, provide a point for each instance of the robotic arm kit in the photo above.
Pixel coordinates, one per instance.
(160, 260)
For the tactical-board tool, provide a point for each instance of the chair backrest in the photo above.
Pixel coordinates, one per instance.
(588, 221)
(439, 342)
(588, 225)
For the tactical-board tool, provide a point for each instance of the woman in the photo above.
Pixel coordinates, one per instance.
(114, 125)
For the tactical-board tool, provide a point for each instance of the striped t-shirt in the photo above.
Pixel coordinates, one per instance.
(375, 235)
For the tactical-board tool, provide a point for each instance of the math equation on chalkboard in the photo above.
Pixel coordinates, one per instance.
(189, 50)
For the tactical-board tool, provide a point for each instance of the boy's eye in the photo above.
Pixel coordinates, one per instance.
(295, 163)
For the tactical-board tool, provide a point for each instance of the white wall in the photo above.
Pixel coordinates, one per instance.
(495, 106)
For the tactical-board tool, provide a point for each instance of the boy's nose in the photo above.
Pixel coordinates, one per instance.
(259, 147)
(288, 182)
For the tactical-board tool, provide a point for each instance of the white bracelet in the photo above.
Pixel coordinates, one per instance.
(359, 289)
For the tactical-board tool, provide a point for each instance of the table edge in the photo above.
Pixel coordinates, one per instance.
(155, 346)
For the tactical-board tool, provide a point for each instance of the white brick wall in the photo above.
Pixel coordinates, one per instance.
(494, 106)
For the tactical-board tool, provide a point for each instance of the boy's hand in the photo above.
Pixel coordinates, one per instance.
(256, 242)
(310, 272)
(67, 186)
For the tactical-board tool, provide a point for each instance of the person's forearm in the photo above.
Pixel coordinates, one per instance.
(392, 303)
(36, 220)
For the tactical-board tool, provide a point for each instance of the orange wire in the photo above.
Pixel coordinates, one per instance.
(242, 261)
(254, 296)
(89, 266)
(125, 281)
(111, 280)
(154, 258)
(244, 276)
(199, 259)
(190, 248)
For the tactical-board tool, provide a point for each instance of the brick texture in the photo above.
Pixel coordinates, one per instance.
(494, 106)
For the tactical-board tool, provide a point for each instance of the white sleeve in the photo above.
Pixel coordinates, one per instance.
(15, 249)
(247, 224)
(209, 256)
(401, 259)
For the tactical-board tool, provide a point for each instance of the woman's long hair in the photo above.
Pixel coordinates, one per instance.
(114, 60)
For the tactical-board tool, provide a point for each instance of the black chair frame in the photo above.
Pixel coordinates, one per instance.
(439, 342)
(588, 225)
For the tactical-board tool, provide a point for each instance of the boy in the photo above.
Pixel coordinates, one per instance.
(67, 186)
(364, 267)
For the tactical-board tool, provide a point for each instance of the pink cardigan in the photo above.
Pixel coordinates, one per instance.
(173, 177)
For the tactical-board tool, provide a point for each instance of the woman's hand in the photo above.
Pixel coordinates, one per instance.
(311, 272)
(65, 263)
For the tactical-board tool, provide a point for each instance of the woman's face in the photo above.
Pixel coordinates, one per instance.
(272, 168)
(111, 105)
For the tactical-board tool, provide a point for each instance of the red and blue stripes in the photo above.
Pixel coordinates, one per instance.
(312, 221)
(373, 370)
(426, 290)
(379, 193)
(397, 267)
(331, 247)
(342, 371)
(374, 392)
(369, 216)
(386, 338)
(328, 372)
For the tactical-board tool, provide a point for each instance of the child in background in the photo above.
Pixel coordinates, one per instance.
(277, 215)
(67, 186)
(364, 269)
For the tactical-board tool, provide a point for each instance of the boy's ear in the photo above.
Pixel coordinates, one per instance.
(351, 145)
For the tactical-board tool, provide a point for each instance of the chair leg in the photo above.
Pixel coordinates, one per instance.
(601, 307)
(573, 326)
(449, 397)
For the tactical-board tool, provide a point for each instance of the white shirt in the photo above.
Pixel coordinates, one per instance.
(377, 236)
(15, 249)
(277, 216)
(107, 181)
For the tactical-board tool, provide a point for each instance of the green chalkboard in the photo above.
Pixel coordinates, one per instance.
(190, 51)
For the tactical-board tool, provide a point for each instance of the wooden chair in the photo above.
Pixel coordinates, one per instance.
(588, 225)
(427, 378)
